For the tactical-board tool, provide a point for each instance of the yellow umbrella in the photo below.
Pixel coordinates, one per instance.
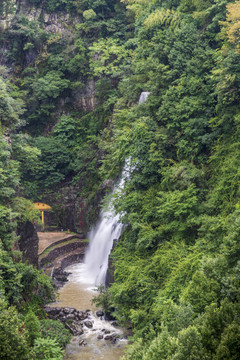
(42, 207)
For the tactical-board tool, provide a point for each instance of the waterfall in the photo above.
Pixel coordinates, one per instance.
(101, 237)
(143, 97)
(107, 229)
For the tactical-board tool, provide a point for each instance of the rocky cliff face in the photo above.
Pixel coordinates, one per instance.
(7, 12)
(86, 97)
(70, 209)
(110, 271)
(28, 242)
(55, 22)
(58, 22)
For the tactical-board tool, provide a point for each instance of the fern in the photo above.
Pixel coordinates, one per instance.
(164, 17)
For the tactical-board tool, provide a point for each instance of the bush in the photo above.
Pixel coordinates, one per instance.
(47, 349)
(55, 330)
(13, 336)
(33, 326)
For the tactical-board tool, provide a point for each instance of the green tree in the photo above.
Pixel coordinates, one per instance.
(107, 56)
(33, 326)
(10, 108)
(13, 336)
(47, 349)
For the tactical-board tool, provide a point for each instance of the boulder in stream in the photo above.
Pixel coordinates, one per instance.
(100, 313)
(88, 324)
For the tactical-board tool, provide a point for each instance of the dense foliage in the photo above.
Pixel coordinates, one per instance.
(23, 289)
(177, 264)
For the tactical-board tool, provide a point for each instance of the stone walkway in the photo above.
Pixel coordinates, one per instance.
(49, 238)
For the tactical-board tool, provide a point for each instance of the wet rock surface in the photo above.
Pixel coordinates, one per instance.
(28, 242)
(72, 319)
(88, 324)
(82, 343)
(60, 277)
(100, 313)
(80, 323)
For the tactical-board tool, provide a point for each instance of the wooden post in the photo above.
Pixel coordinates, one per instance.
(42, 207)
(43, 219)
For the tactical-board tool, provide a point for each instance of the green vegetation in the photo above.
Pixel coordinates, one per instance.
(54, 329)
(70, 117)
(23, 289)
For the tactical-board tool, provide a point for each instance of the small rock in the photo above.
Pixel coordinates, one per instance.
(107, 331)
(88, 324)
(108, 337)
(52, 310)
(68, 310)
(82, 343)
(81, 315)
(70, 316)
(74, 328)
(99, 337)
(100, 313)
(114, 323)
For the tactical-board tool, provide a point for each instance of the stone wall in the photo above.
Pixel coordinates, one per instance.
(62, 251)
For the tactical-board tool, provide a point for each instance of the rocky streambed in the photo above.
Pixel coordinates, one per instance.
(80, 322)
(94, 338)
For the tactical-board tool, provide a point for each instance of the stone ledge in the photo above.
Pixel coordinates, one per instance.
(66, 249)
(60, 241)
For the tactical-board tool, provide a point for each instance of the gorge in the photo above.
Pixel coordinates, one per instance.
(74, 79)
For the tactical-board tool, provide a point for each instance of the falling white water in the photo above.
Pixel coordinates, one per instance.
(101, 237)
(107, 229)
(143, 97)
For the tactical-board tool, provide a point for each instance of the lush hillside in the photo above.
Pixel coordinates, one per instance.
(71, 76)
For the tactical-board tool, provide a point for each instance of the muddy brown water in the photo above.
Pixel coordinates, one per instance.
(78, 293)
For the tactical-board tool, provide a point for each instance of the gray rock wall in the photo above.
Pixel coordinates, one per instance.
(28, 242)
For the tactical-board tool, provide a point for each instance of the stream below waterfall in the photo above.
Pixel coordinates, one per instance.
(77, 293)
